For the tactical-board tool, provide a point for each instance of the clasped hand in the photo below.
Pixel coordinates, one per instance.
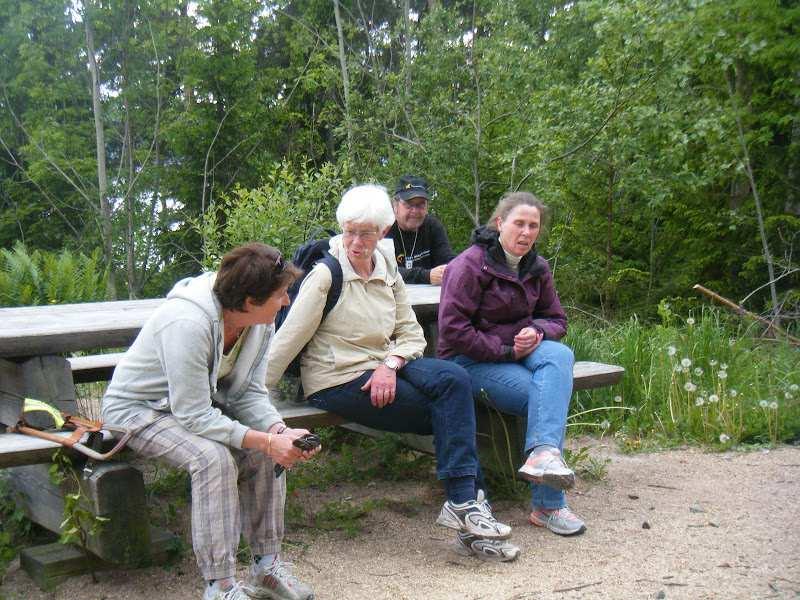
(526, 341)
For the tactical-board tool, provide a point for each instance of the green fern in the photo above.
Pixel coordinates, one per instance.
(38, 277)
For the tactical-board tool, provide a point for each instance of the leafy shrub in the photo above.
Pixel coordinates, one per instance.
(39, 277)
(283, 212)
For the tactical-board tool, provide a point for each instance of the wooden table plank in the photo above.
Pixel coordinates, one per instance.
(60, 328)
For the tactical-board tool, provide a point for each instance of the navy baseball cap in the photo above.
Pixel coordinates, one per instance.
(410, 186)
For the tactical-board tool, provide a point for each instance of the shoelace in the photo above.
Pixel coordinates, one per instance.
(282, 570)
(546, 459)
(563, 512)
(485, 509)
(237, 592)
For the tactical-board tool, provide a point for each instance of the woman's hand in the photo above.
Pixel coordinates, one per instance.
(279, 446)
(296, 433)
(526, 341)
(381, 386)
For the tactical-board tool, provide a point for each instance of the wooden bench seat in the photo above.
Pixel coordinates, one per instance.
(16, 449)
(100, 367)
(95, 367)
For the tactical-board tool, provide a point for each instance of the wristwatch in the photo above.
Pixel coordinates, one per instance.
(393, 362)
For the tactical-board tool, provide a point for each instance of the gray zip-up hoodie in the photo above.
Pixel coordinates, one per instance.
(172, 367)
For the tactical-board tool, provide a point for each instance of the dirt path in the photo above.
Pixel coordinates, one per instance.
(720, 526)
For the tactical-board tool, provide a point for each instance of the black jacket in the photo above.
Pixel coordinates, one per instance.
(428, 247)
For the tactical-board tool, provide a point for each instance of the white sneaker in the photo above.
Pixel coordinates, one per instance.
(473, 517)
(276, 582)
(236, 592)
(549, 468)
(489, 550)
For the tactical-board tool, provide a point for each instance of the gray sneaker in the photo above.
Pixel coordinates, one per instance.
(549, 468)
(276, 582)
(561, 520)
(473, 517)
(214, 592)
(489, 550)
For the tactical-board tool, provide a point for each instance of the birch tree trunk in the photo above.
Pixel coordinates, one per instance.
(345, 76)
(102, 176)
(748, 169)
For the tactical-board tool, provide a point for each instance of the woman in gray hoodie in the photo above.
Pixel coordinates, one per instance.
(192, 388)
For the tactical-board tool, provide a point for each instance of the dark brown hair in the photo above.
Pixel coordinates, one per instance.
(254, 271)
(512, 200)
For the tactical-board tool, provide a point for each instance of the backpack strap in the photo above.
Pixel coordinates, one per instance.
(335, 267)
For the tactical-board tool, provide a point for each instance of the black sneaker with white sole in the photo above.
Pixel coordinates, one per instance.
(489, 550)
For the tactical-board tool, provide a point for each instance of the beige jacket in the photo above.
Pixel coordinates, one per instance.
(356, 334)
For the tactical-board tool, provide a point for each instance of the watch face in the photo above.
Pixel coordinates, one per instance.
(392, 363)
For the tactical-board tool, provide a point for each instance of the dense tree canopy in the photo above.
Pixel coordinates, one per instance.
(664, 135)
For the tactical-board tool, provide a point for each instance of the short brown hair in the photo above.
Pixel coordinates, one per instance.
(253, 271)
(512, 200)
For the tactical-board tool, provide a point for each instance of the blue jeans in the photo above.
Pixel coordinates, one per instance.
(538, 387)
(432, 396)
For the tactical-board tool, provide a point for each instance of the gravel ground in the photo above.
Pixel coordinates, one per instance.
(673, 524)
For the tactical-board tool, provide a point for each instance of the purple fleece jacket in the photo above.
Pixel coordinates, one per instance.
(484, 304)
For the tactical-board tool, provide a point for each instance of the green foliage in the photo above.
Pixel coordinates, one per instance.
(344, 515)
(284, 211)
(622, 116)
(39, 277)
(585, 465)
(79, 523)
(168, 495)
(356, 457)
(348, 456)
(706, 379)
(15, 527)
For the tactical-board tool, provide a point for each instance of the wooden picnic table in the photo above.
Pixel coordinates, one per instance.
(33, 341)
(64, 328)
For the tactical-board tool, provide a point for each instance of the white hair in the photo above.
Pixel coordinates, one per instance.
(366, 204)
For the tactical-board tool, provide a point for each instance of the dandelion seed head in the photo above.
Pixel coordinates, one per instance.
(724, 367)
(794, 387)
(713, 398)
(733, 393)
(773, 405)
(699, 401)
(617, 399)
(685, 362)
(722, 374)
(724, 438)
(690, 321)
(788, 395)
(763, 404)
(671, 350)
(678, 368)
(698, 371)
(689, 386)
(712, 362)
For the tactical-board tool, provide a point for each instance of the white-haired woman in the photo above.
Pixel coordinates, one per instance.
(364, 362)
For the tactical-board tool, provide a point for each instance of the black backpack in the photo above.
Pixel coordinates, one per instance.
(305, 257)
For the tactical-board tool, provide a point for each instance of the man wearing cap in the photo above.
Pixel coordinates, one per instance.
(420, 240)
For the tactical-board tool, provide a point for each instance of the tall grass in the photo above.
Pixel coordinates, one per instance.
(705, 379)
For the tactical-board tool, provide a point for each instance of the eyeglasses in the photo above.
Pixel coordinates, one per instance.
(364, 235)
(420, 205)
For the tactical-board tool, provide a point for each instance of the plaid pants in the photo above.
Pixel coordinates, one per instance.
(234, 492)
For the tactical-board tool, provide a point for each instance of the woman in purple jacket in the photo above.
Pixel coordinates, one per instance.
(500, 318)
